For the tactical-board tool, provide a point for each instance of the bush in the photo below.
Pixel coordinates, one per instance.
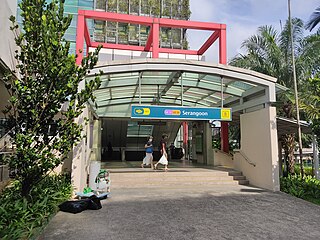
(307, 170)
(24, 217)
(307, 188)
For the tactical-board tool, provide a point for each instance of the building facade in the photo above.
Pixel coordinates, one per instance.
(135, 34)
(123, 33)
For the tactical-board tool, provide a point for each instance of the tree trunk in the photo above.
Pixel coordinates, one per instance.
(288, 144)
(26, 186)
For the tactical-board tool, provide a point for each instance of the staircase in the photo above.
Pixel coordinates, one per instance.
(175, 178)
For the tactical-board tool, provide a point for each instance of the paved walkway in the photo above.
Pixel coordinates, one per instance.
(193, 212)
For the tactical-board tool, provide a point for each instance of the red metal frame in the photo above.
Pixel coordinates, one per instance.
(152, 45)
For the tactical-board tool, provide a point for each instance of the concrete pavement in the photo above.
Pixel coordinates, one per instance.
(197, 212)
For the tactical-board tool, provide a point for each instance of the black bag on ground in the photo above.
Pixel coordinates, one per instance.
(74, 206)
(92, 203)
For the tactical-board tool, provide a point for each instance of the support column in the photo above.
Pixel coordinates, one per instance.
(185, 137)
(207, 142)
(80, 37)
(223, 45)
(223, 60)
(155, 38)
(96, 146)
(225, 137)
(315, 156)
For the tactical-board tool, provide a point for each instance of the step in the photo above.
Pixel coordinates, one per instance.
(243, 182)
(169, 173)
(239, 177)
(173, 185)
(173, 178)
(235, 173)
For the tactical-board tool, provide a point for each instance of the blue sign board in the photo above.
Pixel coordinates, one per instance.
(183, 113)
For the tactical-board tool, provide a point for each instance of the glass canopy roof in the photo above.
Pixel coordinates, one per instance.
(167, 87)
(178, 82)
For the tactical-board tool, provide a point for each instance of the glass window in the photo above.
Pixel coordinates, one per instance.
(123, 6)
(99, 31)
(101, 4)
(133, 33)
(134, 7)
(112, 5)
(145, 8)
(123, 33)
(136, 130)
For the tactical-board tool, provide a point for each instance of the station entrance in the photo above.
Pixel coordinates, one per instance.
(152, 75)
(124, 139)
(173, 83)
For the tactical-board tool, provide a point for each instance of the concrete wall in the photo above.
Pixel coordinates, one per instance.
(222, 159)
(81, 154)
(259, 143)
(7, 44)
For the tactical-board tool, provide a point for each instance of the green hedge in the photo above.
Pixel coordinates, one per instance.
(307, 188)
(307, 170)
(24, 218)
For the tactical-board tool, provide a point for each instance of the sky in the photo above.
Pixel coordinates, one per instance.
(243, 17)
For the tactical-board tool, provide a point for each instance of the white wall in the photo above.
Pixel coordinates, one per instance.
(81, 155)
(259, 143)
(222, 159)
(7, 44)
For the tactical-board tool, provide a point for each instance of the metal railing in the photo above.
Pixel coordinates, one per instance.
(244, 156)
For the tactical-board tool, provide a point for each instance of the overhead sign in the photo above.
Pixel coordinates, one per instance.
(183, 113)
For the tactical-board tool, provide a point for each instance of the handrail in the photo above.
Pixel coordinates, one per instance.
(244, 156)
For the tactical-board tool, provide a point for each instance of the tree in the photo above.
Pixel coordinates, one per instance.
(314, 19)
(310, 102)
(269, 52)
(49, 77)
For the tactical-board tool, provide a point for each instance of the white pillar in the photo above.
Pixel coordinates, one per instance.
(259, 142)
(207, 141)
(315, 156)
(96, 146)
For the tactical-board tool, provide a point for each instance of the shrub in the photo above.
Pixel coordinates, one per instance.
(307, 170)
(25, 217)
(307, 188)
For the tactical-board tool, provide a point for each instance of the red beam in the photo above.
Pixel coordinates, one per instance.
(223, 47)
(165, 22)
(118, 46)
(86, 34)
(178, 51)
(80, 38)
(149, 41)
(155, 38)
(117, 17)
(214, 36)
